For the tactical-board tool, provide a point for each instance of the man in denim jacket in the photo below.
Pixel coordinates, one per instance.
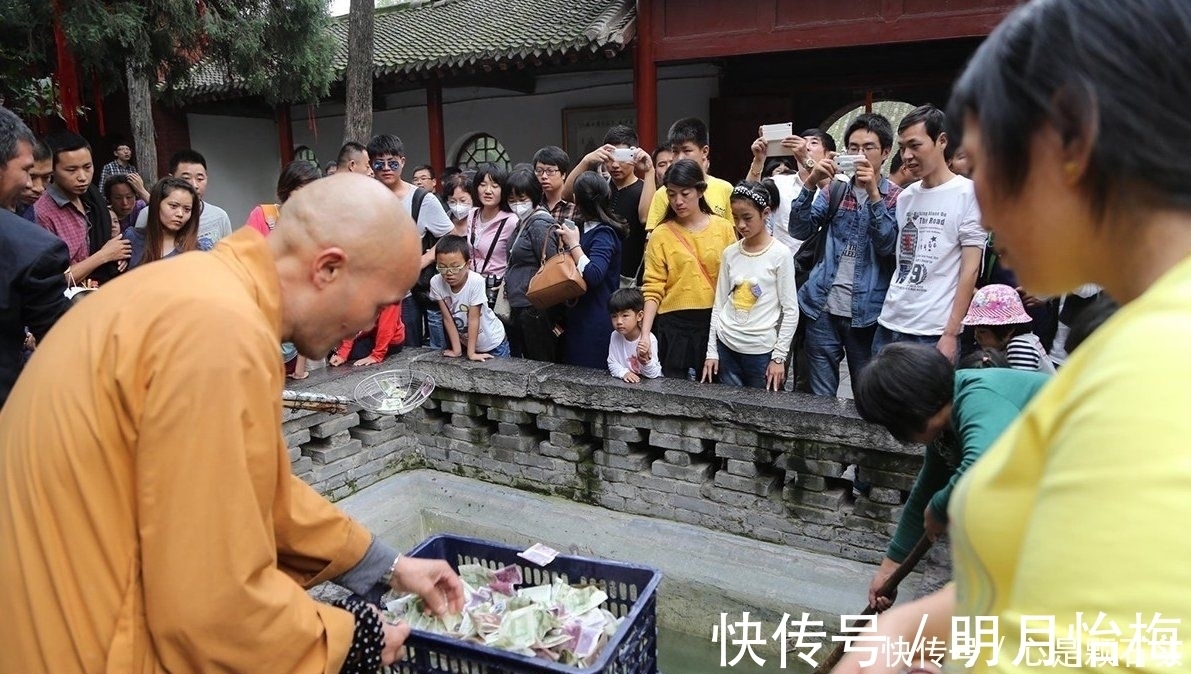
(843, 295)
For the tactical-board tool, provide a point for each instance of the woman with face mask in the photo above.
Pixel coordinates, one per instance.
(456, 192)
(531, 330)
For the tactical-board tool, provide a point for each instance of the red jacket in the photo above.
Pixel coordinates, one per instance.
(389, 330)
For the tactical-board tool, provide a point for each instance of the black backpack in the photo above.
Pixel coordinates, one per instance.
(421, 289)
(810, 253)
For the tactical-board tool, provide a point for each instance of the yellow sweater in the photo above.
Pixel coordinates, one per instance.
(148, 518)
(1082, 505)
(673, 277)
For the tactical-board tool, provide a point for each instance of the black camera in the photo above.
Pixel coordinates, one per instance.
(492, 285)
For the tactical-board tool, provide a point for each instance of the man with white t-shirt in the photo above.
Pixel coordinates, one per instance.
(939, 243)
(388, 160)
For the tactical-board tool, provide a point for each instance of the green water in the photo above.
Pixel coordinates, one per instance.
(680, 653)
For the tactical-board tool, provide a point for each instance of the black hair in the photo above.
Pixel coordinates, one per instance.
(621, 135)
(448, 172)
(112, 181)
(593, 200)
(330, 165)
(774, 162)
(423, 167)
(187, 156)
(461, 179)
(895, 163)
(65, 141)
(349, 150)
(498, 175)
(552, 155)
(688, 130)
(385, 143)
(297, 173)
(903, 386)
(1088, 320)
(983, 358)
(660, 149)
(1008, 331)
(761, 195)
(1112, 75)
(525, 183)
(41, 151)
(685, 173)
(12, 132)
(522, 166)
(934, 121)
(452, 243)
(874, 122)
(186, 238)
(824, 138)
(626, 299)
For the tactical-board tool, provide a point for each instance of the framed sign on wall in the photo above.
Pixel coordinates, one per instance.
(584, 128)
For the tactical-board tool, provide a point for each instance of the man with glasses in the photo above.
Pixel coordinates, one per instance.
(843, 295)
(551, 165)
(388, 159)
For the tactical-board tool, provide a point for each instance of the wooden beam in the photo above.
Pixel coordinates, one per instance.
(434, 121)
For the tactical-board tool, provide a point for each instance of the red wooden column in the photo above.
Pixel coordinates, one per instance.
(67, 73)
(285, 134)
(438, 143)
(645, 78)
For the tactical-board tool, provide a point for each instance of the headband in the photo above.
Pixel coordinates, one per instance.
(762, 200)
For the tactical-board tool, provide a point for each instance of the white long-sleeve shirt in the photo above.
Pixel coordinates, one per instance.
(756, 302)
(622, 358)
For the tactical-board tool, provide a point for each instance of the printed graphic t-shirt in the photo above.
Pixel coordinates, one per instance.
(492, 332)
(933, 224)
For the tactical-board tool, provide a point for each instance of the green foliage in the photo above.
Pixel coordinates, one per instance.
(280, 50)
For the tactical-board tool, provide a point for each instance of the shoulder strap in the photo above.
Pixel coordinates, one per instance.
(495, 240)
(686, 244)
(415, 208)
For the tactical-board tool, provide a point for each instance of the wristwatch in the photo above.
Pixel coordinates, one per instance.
(809, 163)
(780, 361)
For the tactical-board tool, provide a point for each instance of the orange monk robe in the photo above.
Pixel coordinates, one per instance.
(149, 521)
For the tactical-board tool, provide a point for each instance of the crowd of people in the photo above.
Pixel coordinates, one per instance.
(731, 294)
(1054, 475)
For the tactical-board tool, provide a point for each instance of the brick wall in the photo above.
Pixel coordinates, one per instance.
(752, 463)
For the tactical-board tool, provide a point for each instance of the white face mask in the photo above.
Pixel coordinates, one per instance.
(460, 211)
(522, 208)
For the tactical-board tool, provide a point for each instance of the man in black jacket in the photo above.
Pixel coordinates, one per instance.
(32, 281)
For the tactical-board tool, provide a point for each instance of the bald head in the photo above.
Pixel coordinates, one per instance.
(345, 247)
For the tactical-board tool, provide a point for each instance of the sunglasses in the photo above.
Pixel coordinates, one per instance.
(382, 164)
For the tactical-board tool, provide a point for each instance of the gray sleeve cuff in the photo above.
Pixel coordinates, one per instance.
(366, 574)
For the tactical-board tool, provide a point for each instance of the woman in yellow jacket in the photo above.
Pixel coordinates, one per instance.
(682, 262)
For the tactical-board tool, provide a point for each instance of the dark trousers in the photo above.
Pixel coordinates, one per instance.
(531, 334)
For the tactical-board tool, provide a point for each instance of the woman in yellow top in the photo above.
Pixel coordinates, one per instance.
(682, 261)
(1070, 531)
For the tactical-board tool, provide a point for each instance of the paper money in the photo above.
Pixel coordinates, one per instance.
(539, 554)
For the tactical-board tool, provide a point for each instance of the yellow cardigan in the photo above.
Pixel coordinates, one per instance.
(673, 277)
(149, 521)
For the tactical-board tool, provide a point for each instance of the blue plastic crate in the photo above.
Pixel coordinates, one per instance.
(631, 590)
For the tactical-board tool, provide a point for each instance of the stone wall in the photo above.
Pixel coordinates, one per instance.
(747, 462)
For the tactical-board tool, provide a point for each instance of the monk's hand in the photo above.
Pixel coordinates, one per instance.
(395, 635)
(431, 579)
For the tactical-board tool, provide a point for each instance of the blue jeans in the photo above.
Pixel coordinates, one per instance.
(742, 369)
(412, 315)
(501, 351)
(884, 336)
(438, 336)
(828, 339)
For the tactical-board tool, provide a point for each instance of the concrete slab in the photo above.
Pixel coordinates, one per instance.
(706, 573)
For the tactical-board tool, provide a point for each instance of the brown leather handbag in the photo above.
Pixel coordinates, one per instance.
(557, 281)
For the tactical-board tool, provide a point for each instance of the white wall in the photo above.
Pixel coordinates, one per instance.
(243, 161)
(243, 157)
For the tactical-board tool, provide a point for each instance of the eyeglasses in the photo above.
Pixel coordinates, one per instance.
(867, 147)
(382, 164)
(548, 171)
(450, 270)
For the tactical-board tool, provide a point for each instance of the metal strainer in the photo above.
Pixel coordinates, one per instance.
(394, 391)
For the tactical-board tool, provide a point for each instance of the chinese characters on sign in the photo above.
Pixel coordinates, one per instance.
(1041, 641)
